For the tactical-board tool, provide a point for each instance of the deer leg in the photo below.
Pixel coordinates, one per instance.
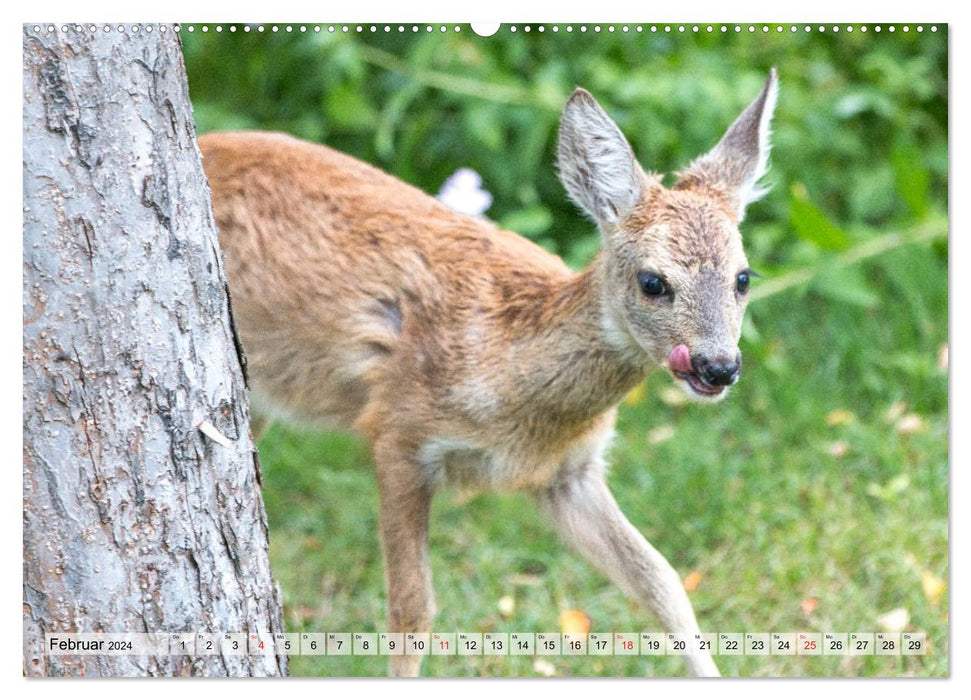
(587, 516)
(258, 425)
(405, 504)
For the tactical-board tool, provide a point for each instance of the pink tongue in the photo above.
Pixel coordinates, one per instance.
(680, 359)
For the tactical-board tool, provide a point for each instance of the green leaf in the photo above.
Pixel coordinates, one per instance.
(749, 330)
(391, 117)
(530, 221)
(846, 285)
(483, 122)
(349, 109)
(912, 180)
(582, 251)
(811, 223)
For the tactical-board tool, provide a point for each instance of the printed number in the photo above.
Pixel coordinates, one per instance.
(888, 645)
(913, 645)
(758, 645)
(731, 645)
(679, 645)
(809, 644)
(704, 645)
(391, 644)
(313, 644)
(575, 645)
(628, 646)
(261, 644)
(340, 643)
(783, 644)
(550, 645)
(235, 645)
(861, 644)
(209, 645)
(365, 645)
(835, 644)
(183, 645)
(497, 644)
(653, 644)
(286, 644)
(470, 645)
(418, 644)
(443, 644)
(602, 644)
(521, 644)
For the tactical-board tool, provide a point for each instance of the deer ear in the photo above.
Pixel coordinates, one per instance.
(595, 162)
(737, 163)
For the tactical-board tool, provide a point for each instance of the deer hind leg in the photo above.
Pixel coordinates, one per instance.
(405, 504)
(587, 517)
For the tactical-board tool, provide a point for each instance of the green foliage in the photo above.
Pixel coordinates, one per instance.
(861, 123)
(850, 314)
(811, 223)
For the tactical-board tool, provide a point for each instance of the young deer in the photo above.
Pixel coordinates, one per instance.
(471, 357)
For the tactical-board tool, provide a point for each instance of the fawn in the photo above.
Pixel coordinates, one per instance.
(471, 357)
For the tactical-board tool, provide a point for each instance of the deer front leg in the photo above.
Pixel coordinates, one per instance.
(587, 516)
(405, 504)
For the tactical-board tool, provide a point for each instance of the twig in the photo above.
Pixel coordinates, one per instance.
(863, 251)
(505, 94)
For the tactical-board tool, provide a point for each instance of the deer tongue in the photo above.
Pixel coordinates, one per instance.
(680, 360)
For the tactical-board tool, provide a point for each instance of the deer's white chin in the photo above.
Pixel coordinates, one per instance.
(698, 390)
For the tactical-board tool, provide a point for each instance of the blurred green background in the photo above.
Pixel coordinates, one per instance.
(815, 497)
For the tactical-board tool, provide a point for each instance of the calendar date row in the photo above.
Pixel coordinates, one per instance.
(492, 644)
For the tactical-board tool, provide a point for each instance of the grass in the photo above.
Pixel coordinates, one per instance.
(813, 499)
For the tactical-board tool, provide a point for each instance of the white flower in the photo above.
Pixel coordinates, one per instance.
(463, 192)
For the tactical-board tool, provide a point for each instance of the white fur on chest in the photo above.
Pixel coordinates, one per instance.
(463, 465)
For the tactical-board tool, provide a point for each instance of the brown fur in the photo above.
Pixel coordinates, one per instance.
(466, 354)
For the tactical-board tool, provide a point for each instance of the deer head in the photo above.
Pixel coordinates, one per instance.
(675, 279)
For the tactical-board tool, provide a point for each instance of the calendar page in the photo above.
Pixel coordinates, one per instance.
(486, 350)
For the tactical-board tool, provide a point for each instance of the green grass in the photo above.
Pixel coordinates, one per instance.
(746, 493)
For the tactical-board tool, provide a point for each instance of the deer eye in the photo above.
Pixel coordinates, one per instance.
(651, 284)
(742, 281)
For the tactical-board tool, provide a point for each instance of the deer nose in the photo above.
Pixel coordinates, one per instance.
(718, 372)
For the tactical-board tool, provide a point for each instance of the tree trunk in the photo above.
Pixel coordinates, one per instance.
(134, 520)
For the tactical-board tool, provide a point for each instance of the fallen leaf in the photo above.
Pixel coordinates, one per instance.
(896, 410)
(933, 586)
(894, 621)
(544, 667)
(910, 424)
(636, 395)
(892, 488)
(839, 416)
(312, 544)
(672, 396)
(574, 622)
(808, 606)
(660, 434)
(525, 580)
(691, 581)
(507, 606)
(302, 614)
(838, 449)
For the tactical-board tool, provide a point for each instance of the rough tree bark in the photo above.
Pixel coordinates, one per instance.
(134, 520)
